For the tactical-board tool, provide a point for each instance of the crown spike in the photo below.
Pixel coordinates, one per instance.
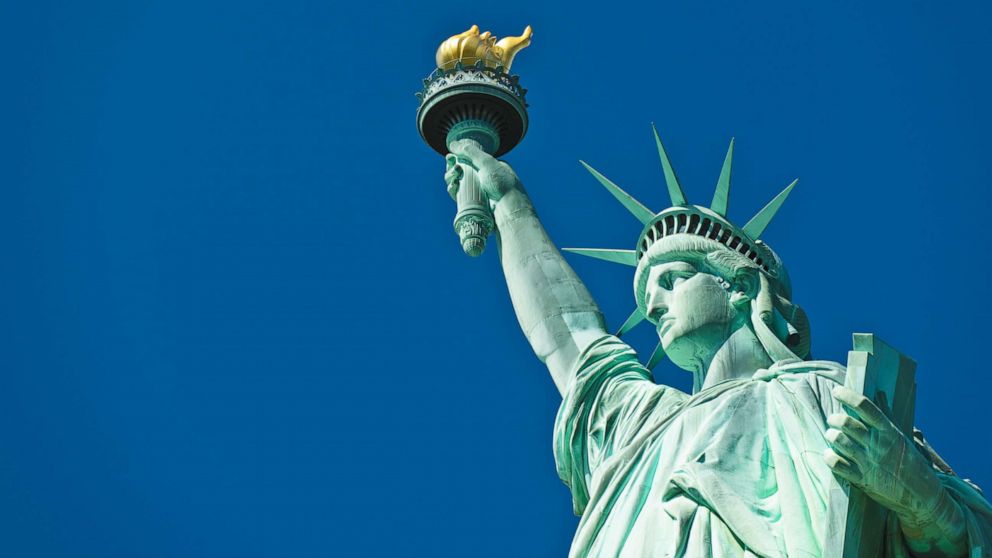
(672, 181)
(643, 214)
(722, 195)
(757, 224)
(624, 257)
(635, 318)
(656, 357)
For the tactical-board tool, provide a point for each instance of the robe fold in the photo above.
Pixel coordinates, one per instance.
(734, 470)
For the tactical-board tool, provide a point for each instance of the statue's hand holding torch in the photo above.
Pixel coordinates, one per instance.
(464, 177)
(472, 110)
(472, 174)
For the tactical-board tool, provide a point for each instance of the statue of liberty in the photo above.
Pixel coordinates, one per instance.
(772, 455)
(742, 466)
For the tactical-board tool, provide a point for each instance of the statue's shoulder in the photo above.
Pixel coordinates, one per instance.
(810, 382)
(812, 370)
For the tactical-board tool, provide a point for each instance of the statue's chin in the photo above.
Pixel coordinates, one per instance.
(689, 350)
(682, 352)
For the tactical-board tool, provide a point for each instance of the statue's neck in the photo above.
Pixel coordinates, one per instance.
(739, 357)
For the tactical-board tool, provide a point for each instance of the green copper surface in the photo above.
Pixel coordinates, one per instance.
(657, 356)
(635, 318)
(481, 131)
(771, 454)
(625, 257)
(636, 208)
(721, 197)
(671, 181)
(757, 224)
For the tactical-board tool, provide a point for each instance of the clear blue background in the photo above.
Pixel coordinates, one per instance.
(236, 321)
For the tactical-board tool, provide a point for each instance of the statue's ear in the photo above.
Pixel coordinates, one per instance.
(745, 287)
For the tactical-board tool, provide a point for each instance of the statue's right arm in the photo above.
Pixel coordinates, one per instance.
(555, 310)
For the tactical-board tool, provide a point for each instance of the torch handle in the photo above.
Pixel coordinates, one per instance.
(474, 219)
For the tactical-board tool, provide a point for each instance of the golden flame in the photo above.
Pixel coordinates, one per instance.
(471, 46)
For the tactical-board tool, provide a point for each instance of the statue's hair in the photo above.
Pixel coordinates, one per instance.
(704, 254)
(708, 256)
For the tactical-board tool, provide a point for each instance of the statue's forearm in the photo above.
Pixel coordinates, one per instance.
(554, 308)
(940, 534)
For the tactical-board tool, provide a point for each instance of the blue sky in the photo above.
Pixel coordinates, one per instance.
(236, 321)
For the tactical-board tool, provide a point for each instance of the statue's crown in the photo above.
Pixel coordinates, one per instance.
(471, 46)
(685, 219)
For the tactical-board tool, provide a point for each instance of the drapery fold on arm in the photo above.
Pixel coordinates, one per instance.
(610, 401)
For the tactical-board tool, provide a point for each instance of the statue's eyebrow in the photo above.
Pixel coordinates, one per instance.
(677, 266)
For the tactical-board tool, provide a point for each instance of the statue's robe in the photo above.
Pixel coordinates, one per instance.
(734, 470)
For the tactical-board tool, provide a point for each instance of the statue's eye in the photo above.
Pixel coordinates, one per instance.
(665, 281)
(669, 279)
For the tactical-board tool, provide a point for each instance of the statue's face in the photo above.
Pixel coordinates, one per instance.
(693, 311)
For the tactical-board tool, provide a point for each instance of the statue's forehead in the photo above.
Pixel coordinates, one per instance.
(677, 264)
(694, 259)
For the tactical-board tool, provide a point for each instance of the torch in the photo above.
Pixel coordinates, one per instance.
(471, 95)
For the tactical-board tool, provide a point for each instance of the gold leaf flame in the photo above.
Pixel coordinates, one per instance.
(471, 46)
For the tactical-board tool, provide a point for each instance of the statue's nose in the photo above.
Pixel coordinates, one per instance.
(656, 306)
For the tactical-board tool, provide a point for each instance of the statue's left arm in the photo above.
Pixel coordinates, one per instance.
(869, 451)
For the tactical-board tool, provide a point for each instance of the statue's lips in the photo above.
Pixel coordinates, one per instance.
(665, 325)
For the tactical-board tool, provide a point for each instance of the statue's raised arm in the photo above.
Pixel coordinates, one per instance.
(554, 308)
(772, 454)
(648, 465)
